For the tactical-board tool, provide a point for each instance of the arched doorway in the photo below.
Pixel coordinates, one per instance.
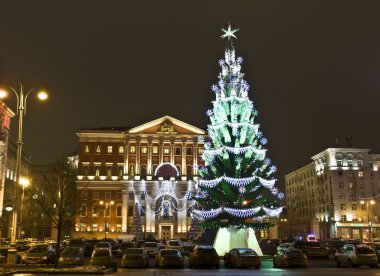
(166, 171)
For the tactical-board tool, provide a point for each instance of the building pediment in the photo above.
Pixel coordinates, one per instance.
(167, 125)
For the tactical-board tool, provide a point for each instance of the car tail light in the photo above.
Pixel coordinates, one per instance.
(286, 256)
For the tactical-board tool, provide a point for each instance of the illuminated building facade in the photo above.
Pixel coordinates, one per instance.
(335, 195)
(153, 165)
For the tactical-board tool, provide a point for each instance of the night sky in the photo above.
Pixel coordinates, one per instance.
(314, 67)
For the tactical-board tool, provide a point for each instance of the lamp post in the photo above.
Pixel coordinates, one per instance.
(368, 203)
(24, 182)
(21, 112)
(106, 206)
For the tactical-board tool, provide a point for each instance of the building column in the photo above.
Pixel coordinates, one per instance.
(195, 158)
(172, 151)
(138, 153)
(149, 169)
(161, 152)
(184, 172)
(124, 212)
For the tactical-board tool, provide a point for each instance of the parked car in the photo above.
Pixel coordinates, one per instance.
(354, 255)
(39, 254)
(284, 245)
(135, 257)
(103, 244)
(242, 257)
(103, 257)
(269, 246)
(151, 248)
(175, 244)
(376, 247)
(77, 243)
(335, 244)
(140, 243)
(160, 246)
(204, 255)
(125, 245)
(169, 258)
(289, 257)
(89, 247)
(315, 249)
(71, 256)
(188, 247)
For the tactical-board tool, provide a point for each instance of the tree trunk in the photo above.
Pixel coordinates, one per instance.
(58, 247)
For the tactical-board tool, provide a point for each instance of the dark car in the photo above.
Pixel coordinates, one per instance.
(140, 244)
(103, 257)
(242, 257)
(269, 246)
(289, 257)
(39, 254)
(77, 243)
(204, 256)
(71, 256)
(376, 247)
(125, 245)
(135, 257)
(169, 258)
(89, 247)
(315, 249)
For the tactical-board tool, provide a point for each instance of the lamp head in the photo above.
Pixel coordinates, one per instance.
(42, 95)
(372, 202)
(3, 93)
(24, 182)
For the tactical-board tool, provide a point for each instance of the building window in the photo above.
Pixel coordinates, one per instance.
(95, 227)
(130, 211)
(144, 150)
(352, 197)
(131, 196)
(341, 196)
(86, 149)
(340, 173)
(344, 218)
(155, 149)
(83, 210)
(120, 170)
(118, 196)
(189, 151)
(118, 228)
(85, 170)
(361, 195)
(97, 149)
(95, 210)
(341, 184)
(360, 163)
(353, 207)
(97, 170)
(364, 207)
(349, 163)
(343, 207)
(118, 210)
(360, 174)
(142, 197)
(132, 149)
(177, 151)
(166, 150)
(82, 227)
(95, 195)
(107, 195)
(109, 170)
(109, 149)
(121, 149)
(83, 194)
(339, 163)
(132, 170)
(200, 151)
(352, 185)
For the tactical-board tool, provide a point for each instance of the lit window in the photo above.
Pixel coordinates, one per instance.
(118, 228)
(109, 149)
(120, 171)
(82, 227)
(166, 150)
(8, 173)
(109, 170)
(360, 163)
(343, 207)
(155, 149)
(132, 149)
(353, 207)
(121, 149)
(86, 149)
(85, 170)
(97, 170)
(200, 151)
(144, 150)
(344, 218)
(95, 227)
(97, 149)
(360, 174)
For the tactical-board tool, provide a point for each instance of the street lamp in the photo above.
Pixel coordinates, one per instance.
(367, 203)
(24, 182)
(106, 205)
(21, 112)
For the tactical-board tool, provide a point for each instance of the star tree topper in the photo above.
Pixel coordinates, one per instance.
(229, 33)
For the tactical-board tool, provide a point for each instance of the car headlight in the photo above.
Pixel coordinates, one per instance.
(44, 257)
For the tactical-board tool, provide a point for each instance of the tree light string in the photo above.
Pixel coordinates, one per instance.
(254, 127)
(240, 182)
(241, 213)
(235, 150)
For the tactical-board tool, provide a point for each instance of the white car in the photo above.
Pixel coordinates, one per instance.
(151, 248)
(175, 244)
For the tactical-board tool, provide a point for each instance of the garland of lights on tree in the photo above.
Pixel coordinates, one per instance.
(136, 226)
(236, 188)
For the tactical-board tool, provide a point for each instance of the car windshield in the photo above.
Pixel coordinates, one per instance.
(126, 245)
(38, 249)
(365, 250)
(168, 252)
(174, 243)
(150, 244)
(70, 251)
(243, 251)
(134, 251)
(101, 253)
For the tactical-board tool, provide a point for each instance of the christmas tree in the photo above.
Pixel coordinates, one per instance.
(195, 229)
(136, 228)
(236, 189)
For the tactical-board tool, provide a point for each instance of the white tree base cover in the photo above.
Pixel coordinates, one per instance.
(228, 238)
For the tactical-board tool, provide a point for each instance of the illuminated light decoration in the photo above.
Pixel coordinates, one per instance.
(267, 183)
(239, 60)
(201, 139)
(274, 191)
(273, 169)
(281, 195)
(240, 182)
(214, 88)
(273, 212)
(229, 32)
(264, 141)
(166, 163)
(234, 98)
(242, 190)
(221, 62)
(242, 213)
(208, 214)
(267, 161)
(237, 150)
(209, 112)
(254, 127)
